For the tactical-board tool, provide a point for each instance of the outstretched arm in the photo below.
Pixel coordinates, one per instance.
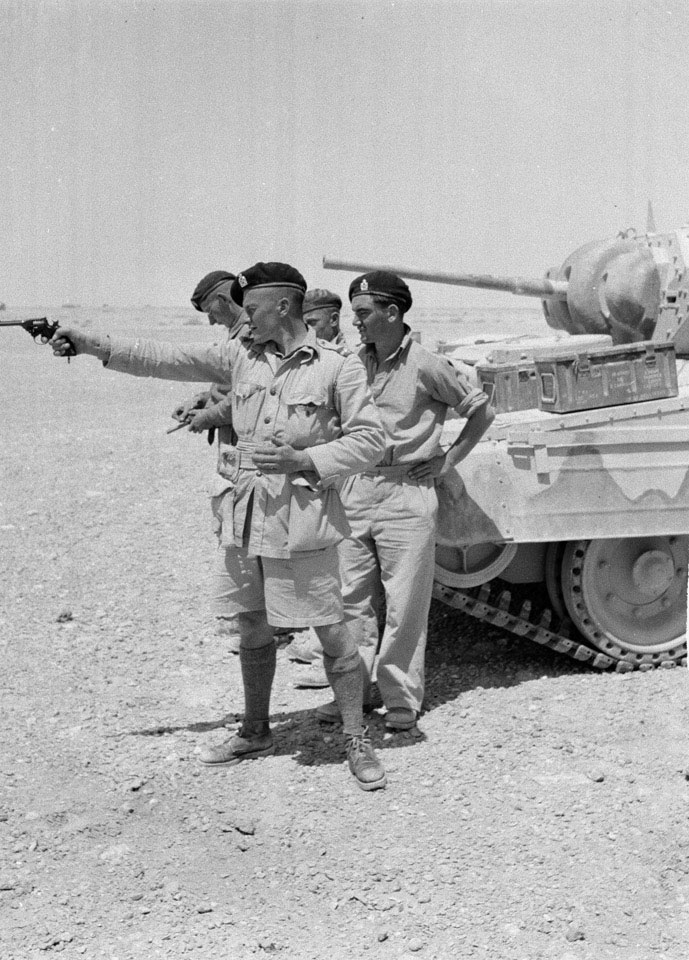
(150, 358)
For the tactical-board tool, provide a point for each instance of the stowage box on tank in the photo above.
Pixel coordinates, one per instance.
(508, 373)
(509, 386)
(606, 377)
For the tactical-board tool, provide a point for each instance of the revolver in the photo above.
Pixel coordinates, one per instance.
(38, 327)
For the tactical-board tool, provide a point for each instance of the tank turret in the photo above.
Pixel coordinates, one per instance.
(632, 287)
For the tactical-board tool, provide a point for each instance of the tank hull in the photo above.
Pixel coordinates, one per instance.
(616, 472)
(594, 503)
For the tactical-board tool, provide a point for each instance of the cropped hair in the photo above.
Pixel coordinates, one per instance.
(381, 301)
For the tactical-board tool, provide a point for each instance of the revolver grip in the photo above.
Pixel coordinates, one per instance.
(46, 331)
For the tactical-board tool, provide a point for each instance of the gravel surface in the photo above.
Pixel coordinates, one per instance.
(541, 812)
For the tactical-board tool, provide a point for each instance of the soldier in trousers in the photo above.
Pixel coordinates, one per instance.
(392, 508)
(304, 419)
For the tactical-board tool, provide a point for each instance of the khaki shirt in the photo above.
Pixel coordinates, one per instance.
(219, 399)
(413, 390)
(315, 399)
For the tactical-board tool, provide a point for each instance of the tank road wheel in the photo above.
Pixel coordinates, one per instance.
(628, 596)
(553, 576)
(463, 566)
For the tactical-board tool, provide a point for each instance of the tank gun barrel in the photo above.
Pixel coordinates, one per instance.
(545, 289)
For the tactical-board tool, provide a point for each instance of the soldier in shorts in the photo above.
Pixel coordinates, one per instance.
(304, 419)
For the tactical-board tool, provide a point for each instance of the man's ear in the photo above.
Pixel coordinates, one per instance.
(283, 306)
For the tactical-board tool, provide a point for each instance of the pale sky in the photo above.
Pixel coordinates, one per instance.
(146, 143)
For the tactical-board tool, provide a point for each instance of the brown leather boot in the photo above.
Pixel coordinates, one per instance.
(364, 764)
(250, 742)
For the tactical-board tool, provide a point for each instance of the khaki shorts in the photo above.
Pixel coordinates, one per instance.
(301, 591)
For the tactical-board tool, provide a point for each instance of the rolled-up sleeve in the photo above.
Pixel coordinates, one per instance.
(362, 442)
(474, 399)
(453, 388)
(169, 361)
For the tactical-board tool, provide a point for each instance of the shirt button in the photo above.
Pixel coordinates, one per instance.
(273, 391)
(266, 419)
(258, 473)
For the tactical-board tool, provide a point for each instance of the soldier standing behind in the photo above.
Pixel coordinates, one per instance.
(392, 508)
(212, 297)
(212, 410)
(304, 419)
(321, 313)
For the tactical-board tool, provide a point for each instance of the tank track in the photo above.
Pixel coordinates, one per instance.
(493, 606)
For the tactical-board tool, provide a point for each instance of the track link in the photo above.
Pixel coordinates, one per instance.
(494, 607)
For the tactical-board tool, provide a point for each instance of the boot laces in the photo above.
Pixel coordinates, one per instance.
(359, 744)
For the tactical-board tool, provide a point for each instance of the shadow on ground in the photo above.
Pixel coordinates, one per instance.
(462, 654)
(297, 733)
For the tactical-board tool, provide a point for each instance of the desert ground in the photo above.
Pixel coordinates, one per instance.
(539, 814)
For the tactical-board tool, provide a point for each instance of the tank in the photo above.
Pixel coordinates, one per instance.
(570, 527)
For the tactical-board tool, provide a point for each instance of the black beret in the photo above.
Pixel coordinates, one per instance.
(266, 275)
(208, 284)
(318, 298)
(380, 283)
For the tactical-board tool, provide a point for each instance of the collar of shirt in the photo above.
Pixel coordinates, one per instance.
(370, 349)
(306, 350)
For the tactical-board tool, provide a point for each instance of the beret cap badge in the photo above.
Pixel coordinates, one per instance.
(271, 274)
(382, 283)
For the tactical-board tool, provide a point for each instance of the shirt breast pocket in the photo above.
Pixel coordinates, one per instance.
(308, 415)
(248, 399)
